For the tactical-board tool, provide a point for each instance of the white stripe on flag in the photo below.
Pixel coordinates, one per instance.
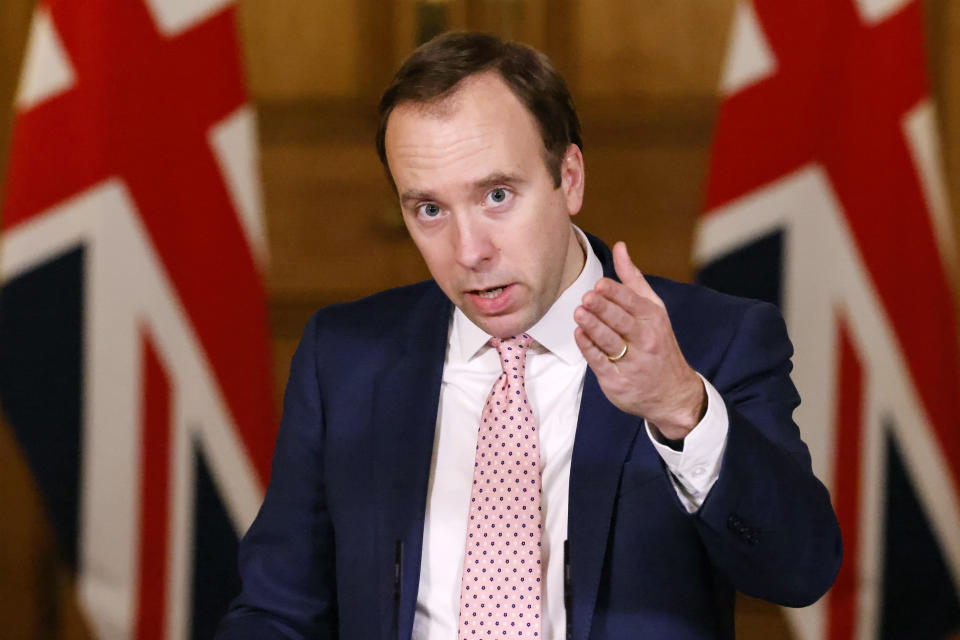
(47, 71)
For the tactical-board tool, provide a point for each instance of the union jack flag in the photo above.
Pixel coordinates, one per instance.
(134, 345)
(825, 197)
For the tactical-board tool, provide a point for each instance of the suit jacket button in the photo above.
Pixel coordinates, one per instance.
(734, 523)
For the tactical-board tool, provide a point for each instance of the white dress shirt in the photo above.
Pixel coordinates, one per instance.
(554, 381)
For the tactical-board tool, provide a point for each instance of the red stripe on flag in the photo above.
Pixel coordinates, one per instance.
(141, 111)
(837, 99)
(842, 612)
(155, 496)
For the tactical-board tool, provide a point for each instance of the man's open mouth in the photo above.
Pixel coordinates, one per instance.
(489, 293)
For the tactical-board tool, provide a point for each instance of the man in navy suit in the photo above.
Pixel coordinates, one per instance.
(672, 472)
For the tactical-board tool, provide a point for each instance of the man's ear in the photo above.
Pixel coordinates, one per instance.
(572, 178)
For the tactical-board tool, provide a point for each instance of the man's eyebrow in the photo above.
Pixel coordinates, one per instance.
(491, 180)
(413, 194)
(499, 177)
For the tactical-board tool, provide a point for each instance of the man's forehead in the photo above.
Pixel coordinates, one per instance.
(479, 129)
(473, 116)
(442, 107)
(486, 85)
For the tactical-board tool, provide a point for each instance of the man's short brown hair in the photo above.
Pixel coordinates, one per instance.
(433, 71)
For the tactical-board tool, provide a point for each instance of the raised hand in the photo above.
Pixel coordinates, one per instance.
(626, 337)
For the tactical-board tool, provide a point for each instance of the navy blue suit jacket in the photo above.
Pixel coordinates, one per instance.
(352, 462)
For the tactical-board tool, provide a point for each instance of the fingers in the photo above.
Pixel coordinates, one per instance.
(599, 332)
(631, 276)
(614, 313)
(621, 308)
(617, 294)
(595, 357)
(618, 309)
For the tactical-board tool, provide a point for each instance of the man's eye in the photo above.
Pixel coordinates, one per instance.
(498, 195)
(429, 210)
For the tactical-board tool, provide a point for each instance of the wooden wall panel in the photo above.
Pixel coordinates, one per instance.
(536, 22)
(297, 49)
(408, 22)
(37, 593)
(340, 234)
(14, 21)
(643, 196)
(650, 47)
(944, 21)
(25, 537)
(22, 570)
(511, 19)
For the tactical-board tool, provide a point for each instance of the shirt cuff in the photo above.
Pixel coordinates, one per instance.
(695, 469)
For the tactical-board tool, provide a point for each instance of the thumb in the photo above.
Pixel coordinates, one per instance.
(628, 272)
(630, 275)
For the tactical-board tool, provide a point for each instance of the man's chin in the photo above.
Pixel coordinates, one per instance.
(504, 326)
(506, 315)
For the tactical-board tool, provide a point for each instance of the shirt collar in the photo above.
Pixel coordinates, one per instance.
(554, 331)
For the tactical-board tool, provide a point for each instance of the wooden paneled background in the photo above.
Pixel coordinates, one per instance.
(643, 73)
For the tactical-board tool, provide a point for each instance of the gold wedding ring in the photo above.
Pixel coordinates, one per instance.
(620, 355)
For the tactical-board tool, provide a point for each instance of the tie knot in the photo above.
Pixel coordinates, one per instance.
(513, 352)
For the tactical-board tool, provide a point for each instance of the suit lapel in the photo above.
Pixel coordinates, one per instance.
(405, 402)
(604, 436)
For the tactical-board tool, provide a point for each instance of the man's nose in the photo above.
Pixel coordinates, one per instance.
(473, 245)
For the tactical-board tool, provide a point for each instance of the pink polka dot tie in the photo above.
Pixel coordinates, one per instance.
(500, 588)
